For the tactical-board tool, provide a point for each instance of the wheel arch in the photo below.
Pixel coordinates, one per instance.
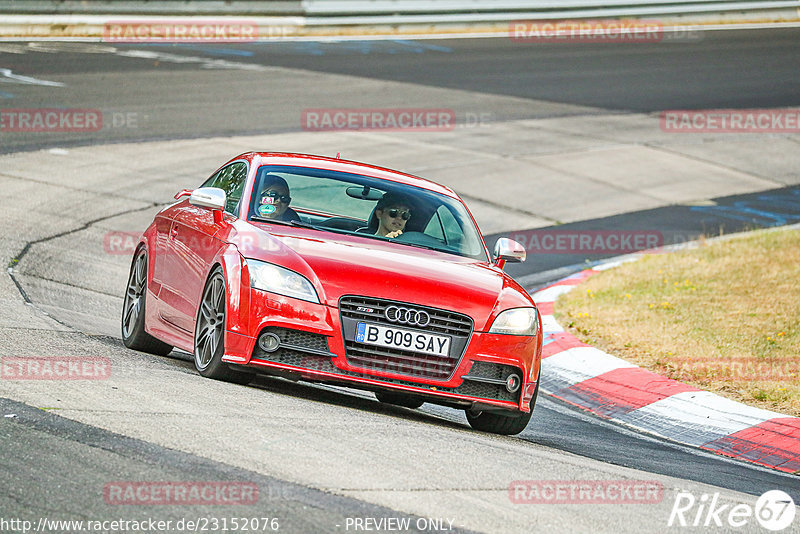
(237, 288)
(147, 241)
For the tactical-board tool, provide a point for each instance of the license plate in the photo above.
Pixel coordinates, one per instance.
(401, 338)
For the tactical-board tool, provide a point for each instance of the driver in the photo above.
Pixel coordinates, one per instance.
(392, 212)
(274, 200)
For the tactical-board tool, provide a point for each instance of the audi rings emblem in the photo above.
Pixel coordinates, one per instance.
(409, 316)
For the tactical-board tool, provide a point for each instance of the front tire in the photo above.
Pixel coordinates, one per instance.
(209, 333)
(133, 311)
(507, 425)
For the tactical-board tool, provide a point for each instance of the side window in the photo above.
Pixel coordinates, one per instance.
(231, 180)
(435, 228)
(443, 225)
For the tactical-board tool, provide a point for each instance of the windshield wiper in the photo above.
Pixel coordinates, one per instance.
(428, 247)
(266, 220)
(301, 224)
(401, 242)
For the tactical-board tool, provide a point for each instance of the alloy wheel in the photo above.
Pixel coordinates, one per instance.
(211, 322)
(134, 295)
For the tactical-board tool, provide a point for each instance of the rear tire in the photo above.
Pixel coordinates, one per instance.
(209, 333)
(399, 399)
(133, 311)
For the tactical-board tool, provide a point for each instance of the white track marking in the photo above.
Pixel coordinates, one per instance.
(10, 77)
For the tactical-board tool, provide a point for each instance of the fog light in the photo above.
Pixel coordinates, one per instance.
(269, 342)
(513, 383)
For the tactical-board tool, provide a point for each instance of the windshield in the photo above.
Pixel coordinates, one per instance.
(365, 206)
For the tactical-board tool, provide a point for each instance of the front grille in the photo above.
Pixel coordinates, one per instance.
(297, 340)
(491, 371)
(492, 377)
(442, 321)
(316, 363)
(300, 339)
(398, 361)
(401, 361)
(295, 358)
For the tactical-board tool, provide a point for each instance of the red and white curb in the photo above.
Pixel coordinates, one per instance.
(619, 391)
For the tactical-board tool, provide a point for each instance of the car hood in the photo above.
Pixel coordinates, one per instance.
(341, 265)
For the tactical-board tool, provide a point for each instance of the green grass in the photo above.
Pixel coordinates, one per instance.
(724, 317)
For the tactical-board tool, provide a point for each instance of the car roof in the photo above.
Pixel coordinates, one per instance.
(342, 165)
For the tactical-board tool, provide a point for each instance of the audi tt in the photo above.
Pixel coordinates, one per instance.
(325, 270)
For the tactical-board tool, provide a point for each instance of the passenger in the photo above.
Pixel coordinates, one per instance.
(392, 213)
(274, 199)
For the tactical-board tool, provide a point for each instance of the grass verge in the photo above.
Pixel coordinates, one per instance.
(724, 317)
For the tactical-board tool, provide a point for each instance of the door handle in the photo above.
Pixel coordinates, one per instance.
(173, 232)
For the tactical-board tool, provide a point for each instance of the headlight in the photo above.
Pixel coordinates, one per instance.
(269, 277)
(517, 322)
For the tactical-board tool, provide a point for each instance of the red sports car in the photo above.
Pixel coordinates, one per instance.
(326, 270)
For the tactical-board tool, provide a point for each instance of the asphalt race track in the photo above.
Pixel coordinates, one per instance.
(547, 136)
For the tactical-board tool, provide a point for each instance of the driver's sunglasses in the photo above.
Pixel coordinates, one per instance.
(406, 215)
(283, 198)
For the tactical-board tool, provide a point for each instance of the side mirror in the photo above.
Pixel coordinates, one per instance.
(208, 197)
(508, 250)
(212, 198)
